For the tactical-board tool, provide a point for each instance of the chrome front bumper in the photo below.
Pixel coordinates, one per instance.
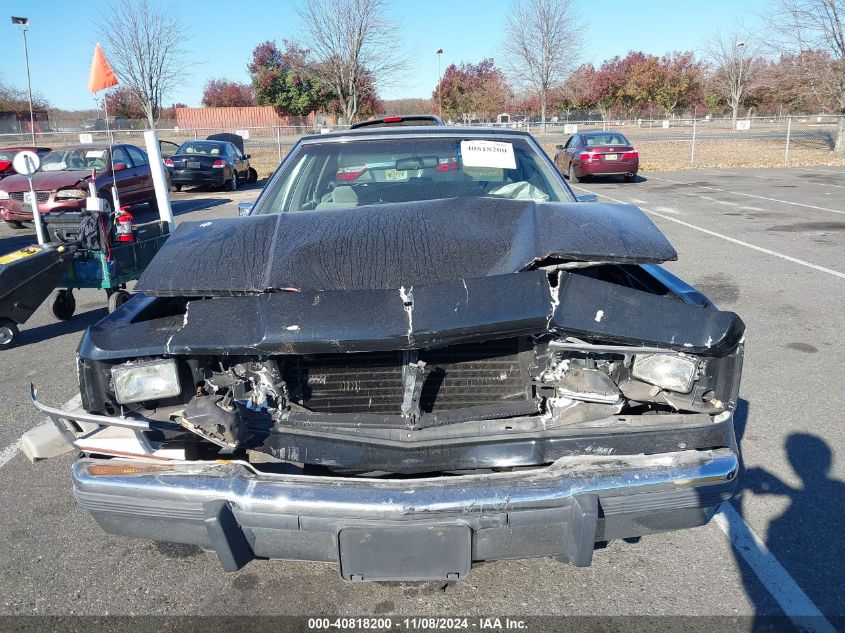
(561, 510)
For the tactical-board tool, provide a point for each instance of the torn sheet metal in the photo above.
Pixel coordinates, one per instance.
(441, 314)
(390, 246)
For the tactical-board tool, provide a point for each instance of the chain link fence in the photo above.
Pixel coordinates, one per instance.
(662, 144)
(712, 143)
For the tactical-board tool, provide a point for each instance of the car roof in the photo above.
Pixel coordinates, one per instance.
(87, 146)
(422, 130)
(20, 148)
(404, 119)
(597, 132)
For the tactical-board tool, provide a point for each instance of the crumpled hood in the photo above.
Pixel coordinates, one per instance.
(390, 246)
(45, 180)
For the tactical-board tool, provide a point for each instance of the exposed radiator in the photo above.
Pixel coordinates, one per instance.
(456, 377)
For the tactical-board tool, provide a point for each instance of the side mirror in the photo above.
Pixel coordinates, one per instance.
(587, 197)
(247, 156)
(119, 166)
(245, 207)
(559, 146)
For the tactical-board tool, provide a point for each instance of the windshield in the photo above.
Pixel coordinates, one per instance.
(339, 175)
(83, 159)
(594, 140)
(204, 148)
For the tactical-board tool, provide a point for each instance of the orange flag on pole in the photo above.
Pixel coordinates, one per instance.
(102, 76)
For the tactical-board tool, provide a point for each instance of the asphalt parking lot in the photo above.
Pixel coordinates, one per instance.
(766, 243)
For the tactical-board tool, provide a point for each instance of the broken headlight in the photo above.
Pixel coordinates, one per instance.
(675, 373)
(145, 381)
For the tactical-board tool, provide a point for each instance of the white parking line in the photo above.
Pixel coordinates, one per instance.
(791, 598)
(788, 258)
(8, 453)
(750, 195)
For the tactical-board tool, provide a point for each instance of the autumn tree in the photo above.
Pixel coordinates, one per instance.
(736, 64)
(606, 84)
(540, 39)
(287, 79)
(369, 103)
(14, 99)
(578, 90)
(792, 82)
(221, 93)
(679, 84)
(123, 101)
(145, 45)
(816, 25)
(409, 105)
(349, 39)
(641, 76)
(473, 91)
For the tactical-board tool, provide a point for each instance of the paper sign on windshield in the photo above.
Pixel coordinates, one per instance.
(488, 154)
(94, 153)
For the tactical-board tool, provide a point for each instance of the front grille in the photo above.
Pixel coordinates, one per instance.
(456, 377)
(40, 196)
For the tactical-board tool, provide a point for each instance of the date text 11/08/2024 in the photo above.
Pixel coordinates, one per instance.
(421, 623)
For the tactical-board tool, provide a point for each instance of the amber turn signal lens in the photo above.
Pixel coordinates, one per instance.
(124, 469)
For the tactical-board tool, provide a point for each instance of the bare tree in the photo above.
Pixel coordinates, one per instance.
(356, 44)
(540, 37)
(144, 45)
(737, 65)
(816, 26)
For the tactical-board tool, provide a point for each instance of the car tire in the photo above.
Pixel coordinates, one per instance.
(8, 334)
(232, 183)
(571, 175)
(117, 299)
(64, 305)
(252, 175)
(630, 177)
(14, 224)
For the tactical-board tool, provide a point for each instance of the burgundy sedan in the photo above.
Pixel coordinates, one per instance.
(597, 154)
(62, 182)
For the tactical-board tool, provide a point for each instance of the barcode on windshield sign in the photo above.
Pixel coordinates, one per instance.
(488, 154)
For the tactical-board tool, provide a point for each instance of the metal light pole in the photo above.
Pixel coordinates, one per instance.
(24, 24)
(439, 52)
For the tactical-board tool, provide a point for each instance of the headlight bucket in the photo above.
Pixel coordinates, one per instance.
(151, 380)
(667, 371)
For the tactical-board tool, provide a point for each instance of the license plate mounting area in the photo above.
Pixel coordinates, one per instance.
(418, 552)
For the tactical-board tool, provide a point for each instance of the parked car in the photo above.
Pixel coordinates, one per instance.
(597, 153)
(455, 361)
(7, 155)
(101, 124)
(217, 161)
(62, 182)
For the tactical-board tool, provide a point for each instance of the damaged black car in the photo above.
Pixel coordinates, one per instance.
(417, 351)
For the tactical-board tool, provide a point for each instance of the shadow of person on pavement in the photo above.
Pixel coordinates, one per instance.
(807, 539)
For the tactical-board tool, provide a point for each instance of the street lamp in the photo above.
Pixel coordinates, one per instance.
(439, 52)
(24, 24)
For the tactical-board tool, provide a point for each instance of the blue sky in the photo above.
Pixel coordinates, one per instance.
(60, 45)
